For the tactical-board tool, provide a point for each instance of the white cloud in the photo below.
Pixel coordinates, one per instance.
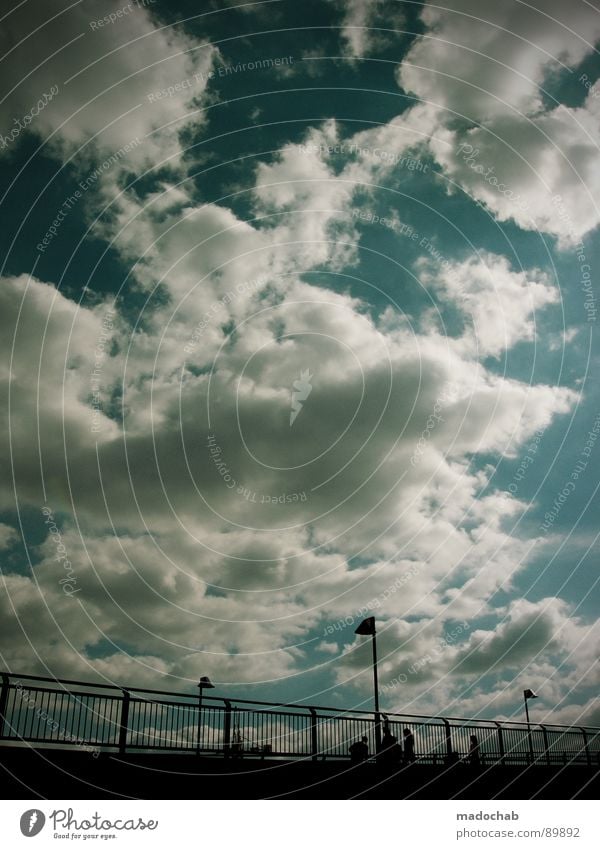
(366, 25)
(486, 60)
(487, 65)
(192, 576)
(497, 303)
(107, 77)
(8, 536)
(274, 570)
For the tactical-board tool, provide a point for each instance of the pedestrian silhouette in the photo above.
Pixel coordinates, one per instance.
(409, 746)
(359, 751)
(474, 758)
(391, 752)
(237, 744)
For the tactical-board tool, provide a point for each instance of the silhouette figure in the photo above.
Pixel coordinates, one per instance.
(237, 744)
(474, 758)
(409, 746)
(391, 752)
(359, 751)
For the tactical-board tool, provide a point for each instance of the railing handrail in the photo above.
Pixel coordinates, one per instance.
(335, 711)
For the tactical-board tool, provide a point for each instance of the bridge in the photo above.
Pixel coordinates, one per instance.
(57, 718)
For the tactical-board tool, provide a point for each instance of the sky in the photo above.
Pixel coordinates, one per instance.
(298, 309)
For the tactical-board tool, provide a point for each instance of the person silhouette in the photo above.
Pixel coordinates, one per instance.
(359, 751)
(474, 759)
(391, 751)
(409, 746)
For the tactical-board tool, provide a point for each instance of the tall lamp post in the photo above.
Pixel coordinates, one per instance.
(529, 694)
(367, 628)
(204, 684)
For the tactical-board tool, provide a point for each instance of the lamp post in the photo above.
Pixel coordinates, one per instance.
(367, 628)
(204, 684)
(529, 694)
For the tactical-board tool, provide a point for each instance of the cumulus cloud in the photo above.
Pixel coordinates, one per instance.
(207, 531)
(8, 536)
(233, 524)
(486, 103)
(366, 25)
(111, 71)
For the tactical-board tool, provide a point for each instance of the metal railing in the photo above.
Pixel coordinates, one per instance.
(104, 717)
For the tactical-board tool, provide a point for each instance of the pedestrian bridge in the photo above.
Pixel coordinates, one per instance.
(49, 713)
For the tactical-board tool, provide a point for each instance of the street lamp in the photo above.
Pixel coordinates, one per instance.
(204, 684)
(367, 628)
(529, 694)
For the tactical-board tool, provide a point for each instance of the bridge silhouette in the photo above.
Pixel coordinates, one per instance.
(58, 719)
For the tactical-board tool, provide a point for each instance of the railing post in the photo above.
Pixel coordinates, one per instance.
(124, 724)
(449, 752)
(227, 729)
(588, 756)
(314, 742)
(501, 744)
(546, 746)
(3, 701)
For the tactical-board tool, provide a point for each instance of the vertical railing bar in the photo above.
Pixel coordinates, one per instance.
(57, 718)
(60, 718)
(47, 718)
(92, 717)
(227, 729)
(500, 732)
(546, 747)
(82, 730)
(588, 756)
(153, 723)
(36, 714)
(77, 705)
(32, 714)
(4, 703)
(26, 723)
(123, 725)
(164, 723)
(116, 720)
(448, 732)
